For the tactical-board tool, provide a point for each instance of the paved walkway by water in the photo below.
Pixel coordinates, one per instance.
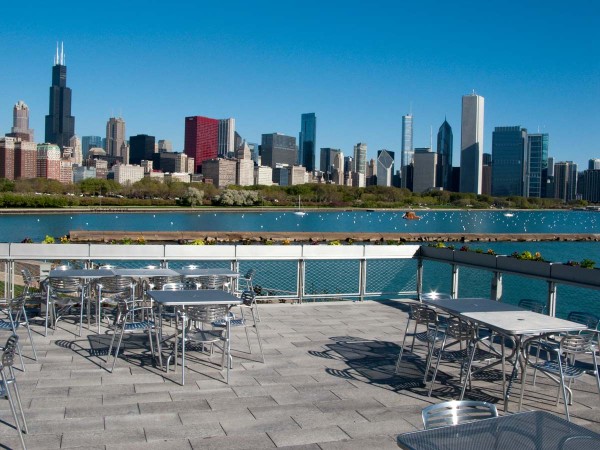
(327, 383)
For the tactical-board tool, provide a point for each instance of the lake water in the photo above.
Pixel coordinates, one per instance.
(437, 276)
(37, 226)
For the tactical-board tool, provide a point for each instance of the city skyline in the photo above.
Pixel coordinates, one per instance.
(359, 84)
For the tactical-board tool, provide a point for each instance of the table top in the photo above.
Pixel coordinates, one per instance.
(145, 272)
(504, 318)
(80, 273)
(528, 430)
(207, 272)
(194, 297)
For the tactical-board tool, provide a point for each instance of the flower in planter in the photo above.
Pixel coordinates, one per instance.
(27, 241)
(349, 241)
(198, 242)
(587, 264)
(48, 240)
(464, 248)
(335, 243)
(572, 263)
(490, 252)
(528, 256)
(286, 241)
(64, 239)
(140, 241)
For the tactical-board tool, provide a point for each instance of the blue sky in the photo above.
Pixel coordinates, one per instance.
(358, 65)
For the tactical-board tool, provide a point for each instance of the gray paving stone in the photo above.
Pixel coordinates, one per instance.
(175, 407)
(100, 410)
(201, 417)
(33, 442)
(257, 441)
(378, 442)
(384, 428)
(241, 403)
(124, 399)
(347, 405)
(307, 436)
(327, 419)
(171, 444)
(256, 426)
(72, 439)
(124, 422)
(205, 430)
(263, 412)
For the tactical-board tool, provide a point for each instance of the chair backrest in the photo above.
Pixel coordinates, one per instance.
(63, 267)
(28, 280)
(158, 282)
(588, 319)
(456, 412)
(65, 285)
(423, 315)
(248, 298)
(16, 305)
(249, 275)
(532, 305)
(173, 286)
(116, 284)
(213, 282)
(577, 343)
(434, 296)
(8, 355)
(206, 313)
(459, 330)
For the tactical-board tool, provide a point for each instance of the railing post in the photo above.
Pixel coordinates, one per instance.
(300, 287)
(454, 288)
(551, 298)
(496, 288)
(419, 277)
(235, 267)
(362, 279)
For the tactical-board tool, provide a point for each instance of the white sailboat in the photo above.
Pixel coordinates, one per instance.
(299, 211)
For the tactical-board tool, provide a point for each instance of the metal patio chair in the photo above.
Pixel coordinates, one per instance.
(532, 305)
(131, 319)
(15, 317)
(248, 303)
(62, 295)
(456, 412)
(562, 367)
(8, 379)
(426, 318)
(109, 290)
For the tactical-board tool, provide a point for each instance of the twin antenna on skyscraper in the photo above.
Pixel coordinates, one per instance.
(59, 60)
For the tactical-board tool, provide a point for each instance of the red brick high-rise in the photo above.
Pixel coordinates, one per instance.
(201, 139)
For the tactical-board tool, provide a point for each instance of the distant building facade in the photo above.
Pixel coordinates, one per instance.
(141, 147)
(307, 142)
(201, 139)
(221, 171)
(509, 156)
(20, 128)
(48, 161)
(60, 124)
(360, 158)
(278, 149)
(537, 163)
(425, 163)
(471, 143)
(407, 149)
(115, 137)
(385, 167)
(128, 173)
(444, 158)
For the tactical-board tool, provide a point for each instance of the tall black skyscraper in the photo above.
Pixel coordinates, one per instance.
(60, 124)
(444, 161)
(141, 147)
(308, 141)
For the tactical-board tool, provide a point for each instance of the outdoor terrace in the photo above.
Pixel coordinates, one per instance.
(328, 382)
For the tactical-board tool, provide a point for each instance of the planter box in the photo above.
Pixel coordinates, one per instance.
(575, 274)
(438, 253)
(191, 252)
(526, 267)
(391, 251)
(476, 259)
(333, 251)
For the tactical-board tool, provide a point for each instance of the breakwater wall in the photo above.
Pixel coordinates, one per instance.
(277, 236)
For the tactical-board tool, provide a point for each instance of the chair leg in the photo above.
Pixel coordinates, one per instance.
(13, 409)
(30, 335)
(18, 397)
(118, 348)
(262, 354)
(401, 351)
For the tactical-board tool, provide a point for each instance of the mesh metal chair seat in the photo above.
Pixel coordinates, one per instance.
(214, 282)
(426, 317)
(563, 368)
(8, 379)
(126, 321)
(248, 302)
(456, 412)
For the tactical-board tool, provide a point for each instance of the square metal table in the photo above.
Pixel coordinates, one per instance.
(193, 298)
(507, 320)
(143, 273)
(533, 430)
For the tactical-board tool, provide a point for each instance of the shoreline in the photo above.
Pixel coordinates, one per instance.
(81, 236)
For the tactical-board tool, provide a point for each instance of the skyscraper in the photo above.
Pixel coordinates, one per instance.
(60, 124)
(385, 167)
(444, 159)
(140, 147)
(88, 142)
(407, 151)
(278, 148)
(509, 161)
(327, 161)
(115, 137)
(307, 141)
(537, 161)
(594, 164)
(20, 128)
(226, 138)
(471, 143)
(360, 158)
(565, 180)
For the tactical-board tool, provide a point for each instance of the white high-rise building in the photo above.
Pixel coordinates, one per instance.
(360, 158)
(385, 167)
(407, 151)
(75, 144)
(471, 143)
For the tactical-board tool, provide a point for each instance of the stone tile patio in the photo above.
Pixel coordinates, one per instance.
(327, 383)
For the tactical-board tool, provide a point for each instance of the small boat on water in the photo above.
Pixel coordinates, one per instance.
(410, 215)
(299, 211)
(509, 214)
